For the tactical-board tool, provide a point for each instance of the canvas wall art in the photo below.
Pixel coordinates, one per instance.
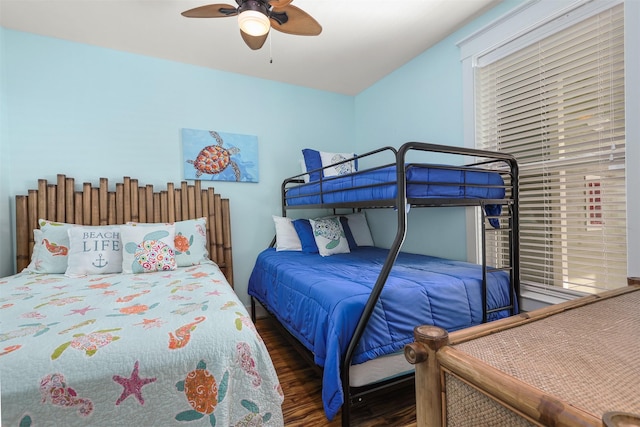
(219, 156)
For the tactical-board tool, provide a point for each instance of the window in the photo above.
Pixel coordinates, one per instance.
(556, 101)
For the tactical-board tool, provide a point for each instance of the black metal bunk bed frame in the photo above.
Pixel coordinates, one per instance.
(402, 204)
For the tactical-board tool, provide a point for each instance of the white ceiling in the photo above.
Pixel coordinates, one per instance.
(361, 42)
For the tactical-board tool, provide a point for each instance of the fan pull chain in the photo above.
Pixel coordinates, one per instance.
(270, 51)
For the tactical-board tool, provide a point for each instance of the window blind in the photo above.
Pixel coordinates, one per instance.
(558, 105)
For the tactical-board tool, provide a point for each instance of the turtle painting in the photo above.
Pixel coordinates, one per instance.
(202, 392)
(213, 159)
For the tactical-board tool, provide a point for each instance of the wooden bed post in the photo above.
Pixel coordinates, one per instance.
(422, 354)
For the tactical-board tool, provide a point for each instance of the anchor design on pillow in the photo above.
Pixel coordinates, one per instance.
(100, 262)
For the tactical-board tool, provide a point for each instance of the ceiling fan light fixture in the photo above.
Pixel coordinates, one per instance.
(254, 23)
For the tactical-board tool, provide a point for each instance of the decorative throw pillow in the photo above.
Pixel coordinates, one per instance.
(329, 236)
(146, 249)
(37, 243)
(341, 169)
(51, 248)
(303, 168)
(190, 240)
(94, 250)
(360, 229)
(305, 233)
(286, 237)
(312, 161)
(347, 232)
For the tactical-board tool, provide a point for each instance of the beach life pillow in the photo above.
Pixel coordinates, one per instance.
(359, 229)
(286, 236)
(329, 236)
(305, 234)
(190, 240)
(147, 249)
(94, 250)
(51, 247)
(341, 169)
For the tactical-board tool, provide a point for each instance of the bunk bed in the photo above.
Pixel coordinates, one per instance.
(335, 306)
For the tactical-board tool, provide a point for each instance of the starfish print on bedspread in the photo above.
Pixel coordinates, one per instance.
(132, 385)
(82, 311)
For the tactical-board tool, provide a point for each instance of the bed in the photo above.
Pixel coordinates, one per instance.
(164, 341)
(575, 365)
(349, 309)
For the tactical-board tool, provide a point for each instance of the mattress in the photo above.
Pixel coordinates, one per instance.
(320, 299)
(380, 184)
(164, 348)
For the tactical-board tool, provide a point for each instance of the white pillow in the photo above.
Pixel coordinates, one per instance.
(37, 239)
(147, 249)
(360, 229)
(341, 169)
(51, 247)
(94, 250)
(286, 237)
(329, 236)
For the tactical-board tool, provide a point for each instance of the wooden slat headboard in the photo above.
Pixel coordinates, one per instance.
(129, 202)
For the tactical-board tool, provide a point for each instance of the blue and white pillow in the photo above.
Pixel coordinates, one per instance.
(314, 159)
(329, 236)
(305, 234)
(341, 169)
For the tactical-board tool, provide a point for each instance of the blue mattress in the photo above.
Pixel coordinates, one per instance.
(380, 184)
(320, 299)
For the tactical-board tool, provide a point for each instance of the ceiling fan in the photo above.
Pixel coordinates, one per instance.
(256, 17)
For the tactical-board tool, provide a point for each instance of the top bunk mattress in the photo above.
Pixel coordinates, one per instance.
(423, 182)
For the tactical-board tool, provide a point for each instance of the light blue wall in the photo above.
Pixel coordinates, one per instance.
(90, 112)
(421, 101)
(6, 250)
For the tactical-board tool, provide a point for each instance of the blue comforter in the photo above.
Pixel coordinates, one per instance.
(320, 299)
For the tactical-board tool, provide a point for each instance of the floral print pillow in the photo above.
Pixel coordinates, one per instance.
(190, 242)
(330, 236)
(148, 248)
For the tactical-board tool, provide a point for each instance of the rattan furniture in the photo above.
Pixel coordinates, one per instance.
(569, 364)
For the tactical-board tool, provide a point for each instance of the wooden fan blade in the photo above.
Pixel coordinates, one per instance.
(254, 42)
(279, 4)
(211, 11)
(297, 22)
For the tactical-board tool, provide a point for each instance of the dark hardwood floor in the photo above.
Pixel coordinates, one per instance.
(302, 390)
